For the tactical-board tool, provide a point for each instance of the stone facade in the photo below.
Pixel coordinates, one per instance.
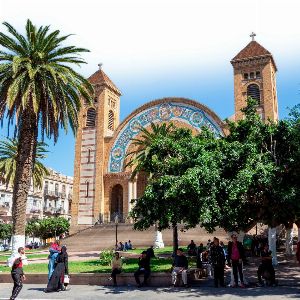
(103, 187)
(54, 199)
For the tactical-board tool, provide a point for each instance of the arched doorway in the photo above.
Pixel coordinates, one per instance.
(116, 203)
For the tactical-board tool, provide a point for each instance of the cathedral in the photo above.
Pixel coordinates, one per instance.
(103, 187)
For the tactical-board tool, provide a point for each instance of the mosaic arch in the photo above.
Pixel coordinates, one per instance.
(160, 112)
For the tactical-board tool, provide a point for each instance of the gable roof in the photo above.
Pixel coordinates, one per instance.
(253, 50)
(99, 77)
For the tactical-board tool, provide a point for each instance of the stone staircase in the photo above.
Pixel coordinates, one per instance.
(103, 237)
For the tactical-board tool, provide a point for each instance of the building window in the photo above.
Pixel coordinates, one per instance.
(246, 76)
(87, 189)
(56, 189)
(89, 156)
(111, 122)
(253, 92)
(251, 75)
(111, 103)
(91, 117)
(258, 74)
(96, 99)
(46, 188)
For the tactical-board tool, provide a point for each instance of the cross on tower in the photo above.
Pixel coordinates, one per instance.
(100, 66)
(252, 35)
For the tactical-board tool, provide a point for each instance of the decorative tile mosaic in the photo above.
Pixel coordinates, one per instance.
(169, 111)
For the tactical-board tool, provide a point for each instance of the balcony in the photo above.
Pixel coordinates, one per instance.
(35, 210)
(51, 194)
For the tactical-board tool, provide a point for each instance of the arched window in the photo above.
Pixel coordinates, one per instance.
(91, 117)
(111, 121)
(253, 92)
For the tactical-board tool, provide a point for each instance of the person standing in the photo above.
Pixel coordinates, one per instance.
(298, 252)
(266, 266)
(144, 268)
(217, 258)
(236, 256)
(116, 267)
(61, 269)
(17, 274)
(180, 266)
(54, 251)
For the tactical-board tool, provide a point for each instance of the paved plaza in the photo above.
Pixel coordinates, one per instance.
(99, 292)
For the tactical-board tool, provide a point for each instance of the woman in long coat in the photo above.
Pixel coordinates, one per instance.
(56, 282)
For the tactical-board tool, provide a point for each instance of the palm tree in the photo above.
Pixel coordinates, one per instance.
(8, 162)
(139, 156)
(41, 92)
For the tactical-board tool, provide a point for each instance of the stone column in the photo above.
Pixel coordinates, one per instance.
(130, 186)
(134, 194)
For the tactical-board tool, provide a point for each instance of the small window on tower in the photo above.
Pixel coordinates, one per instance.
(246, 76)
(251, 75)
(254, 92)
(96, 99)
(91, 117)
(111, 121)
(258, 74)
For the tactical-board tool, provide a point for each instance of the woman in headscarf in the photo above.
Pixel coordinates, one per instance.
(61, 269)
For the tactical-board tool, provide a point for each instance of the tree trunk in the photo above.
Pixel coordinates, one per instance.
(158, 241)
(289, 240)
(25, 161)
(175, 238)
(272, 244)
(298, 225)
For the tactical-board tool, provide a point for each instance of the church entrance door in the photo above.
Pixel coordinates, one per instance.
(116, 203)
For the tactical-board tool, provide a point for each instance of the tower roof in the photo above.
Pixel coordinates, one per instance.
(99, 77)
(253, 50)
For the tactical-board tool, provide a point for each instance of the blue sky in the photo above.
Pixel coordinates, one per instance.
(160, 48)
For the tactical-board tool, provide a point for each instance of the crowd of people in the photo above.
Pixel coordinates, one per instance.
(214, 254)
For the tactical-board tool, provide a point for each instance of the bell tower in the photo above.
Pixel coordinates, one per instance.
(255, 76)
(97, 122)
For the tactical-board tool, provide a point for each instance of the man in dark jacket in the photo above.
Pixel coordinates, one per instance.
(217, 258)
(144, 268)
(266, 266)
(236, 257)
(180, 266)
(17, 274)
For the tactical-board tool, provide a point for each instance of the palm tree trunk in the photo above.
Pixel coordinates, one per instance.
(25, 161)
(175, 238)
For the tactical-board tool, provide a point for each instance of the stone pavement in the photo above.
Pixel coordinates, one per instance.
(85, 292)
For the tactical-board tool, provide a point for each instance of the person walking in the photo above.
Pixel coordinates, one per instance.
(217, 258)
(144, 268)
(180, 266)
(236, 256)
(116, 267)
(17, 273)
(61, 270)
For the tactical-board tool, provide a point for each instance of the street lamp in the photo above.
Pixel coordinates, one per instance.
(116, 222)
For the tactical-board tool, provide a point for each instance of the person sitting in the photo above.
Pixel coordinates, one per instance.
(150, 252)
(130, 245)
(192, 249)
(120, 246)
(266, 266)
(126, 246)
(144, 268)
(116, 267)
(180, 266)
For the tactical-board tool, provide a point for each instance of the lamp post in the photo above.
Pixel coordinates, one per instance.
(116, 222)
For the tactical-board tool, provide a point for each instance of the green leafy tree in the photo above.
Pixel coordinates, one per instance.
(5, 231)
(8, 162)
(53, 227)
(38, 89)
(184, 175)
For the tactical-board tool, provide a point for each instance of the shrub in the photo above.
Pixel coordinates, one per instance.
(106, 257)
